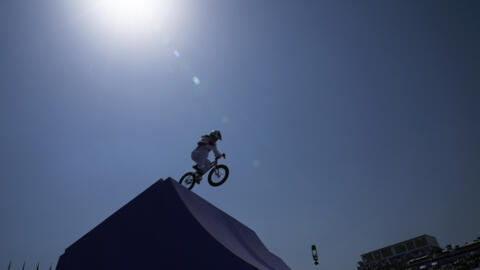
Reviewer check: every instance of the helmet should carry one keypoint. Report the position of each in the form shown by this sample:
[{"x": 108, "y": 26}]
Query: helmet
[{"x": 216, "y": 134}]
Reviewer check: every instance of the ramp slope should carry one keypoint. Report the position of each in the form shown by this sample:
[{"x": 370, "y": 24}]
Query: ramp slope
[{"x": 169, "y": 227}]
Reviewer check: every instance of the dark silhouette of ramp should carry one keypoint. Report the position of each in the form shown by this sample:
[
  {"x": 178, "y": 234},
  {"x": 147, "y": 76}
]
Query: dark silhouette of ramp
[{"x": 169, "y": 227}]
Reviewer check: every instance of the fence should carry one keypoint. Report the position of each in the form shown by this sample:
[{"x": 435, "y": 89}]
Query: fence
[{"x": 23, "y": 266}]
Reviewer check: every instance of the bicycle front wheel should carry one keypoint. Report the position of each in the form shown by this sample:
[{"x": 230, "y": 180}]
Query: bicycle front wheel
[
  {"x": 188, "y": 180},
  {"x": 218, "y": 175}
]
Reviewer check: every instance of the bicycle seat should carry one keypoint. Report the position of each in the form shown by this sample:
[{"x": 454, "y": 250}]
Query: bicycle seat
[{"x": 195, "y": 167}]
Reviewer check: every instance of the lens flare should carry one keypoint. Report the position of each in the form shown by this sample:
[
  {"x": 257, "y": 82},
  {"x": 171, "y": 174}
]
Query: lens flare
[
  {"x": 196, "y": 80},
  {"x": 225, "y": 119}
]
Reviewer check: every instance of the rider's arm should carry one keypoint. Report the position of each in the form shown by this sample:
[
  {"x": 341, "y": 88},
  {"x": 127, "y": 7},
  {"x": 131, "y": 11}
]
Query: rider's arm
[{"x": 216, "y": 152}]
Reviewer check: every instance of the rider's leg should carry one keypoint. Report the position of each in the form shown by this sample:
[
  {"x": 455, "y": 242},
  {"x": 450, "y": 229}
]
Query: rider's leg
[
  {"x": 203, "y": 165},
  {"x": 201, "y": 158}
]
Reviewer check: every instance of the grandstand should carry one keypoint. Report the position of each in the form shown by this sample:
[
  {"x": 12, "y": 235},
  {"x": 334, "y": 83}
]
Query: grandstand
[{"x": 422, "y": 253}]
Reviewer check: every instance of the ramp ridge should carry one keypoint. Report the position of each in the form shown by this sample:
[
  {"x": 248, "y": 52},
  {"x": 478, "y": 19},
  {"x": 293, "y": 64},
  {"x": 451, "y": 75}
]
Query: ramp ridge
[{"x": 245, "y": 243}]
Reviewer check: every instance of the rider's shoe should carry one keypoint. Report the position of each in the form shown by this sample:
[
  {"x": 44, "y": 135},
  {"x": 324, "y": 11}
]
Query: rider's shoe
[{"x": 198, "y": 177}]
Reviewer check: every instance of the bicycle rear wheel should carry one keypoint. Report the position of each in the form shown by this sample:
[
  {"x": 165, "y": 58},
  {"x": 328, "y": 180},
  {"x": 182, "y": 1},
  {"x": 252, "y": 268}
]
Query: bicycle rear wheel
[
  {"x": 218, "y": 175},
  {"x": 188, "y": 180}
]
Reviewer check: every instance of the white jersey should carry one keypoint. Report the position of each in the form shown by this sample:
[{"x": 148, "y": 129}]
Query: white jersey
[{"x": 205, "y": 145}]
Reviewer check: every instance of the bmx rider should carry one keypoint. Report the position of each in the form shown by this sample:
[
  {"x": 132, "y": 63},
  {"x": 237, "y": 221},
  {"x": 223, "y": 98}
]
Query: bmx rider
[{"x": 206, "y": 144}]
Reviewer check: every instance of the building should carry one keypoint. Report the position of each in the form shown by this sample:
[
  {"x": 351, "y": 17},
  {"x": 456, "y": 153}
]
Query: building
[
  {"x": 422, "y": 253},
  {"x": 460, "y": 257},
  {"x": 399, "y": 252}
]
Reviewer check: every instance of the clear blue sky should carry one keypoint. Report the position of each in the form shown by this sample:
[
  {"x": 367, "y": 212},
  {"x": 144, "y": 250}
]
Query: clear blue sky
[{"x": 347, "y": 124}]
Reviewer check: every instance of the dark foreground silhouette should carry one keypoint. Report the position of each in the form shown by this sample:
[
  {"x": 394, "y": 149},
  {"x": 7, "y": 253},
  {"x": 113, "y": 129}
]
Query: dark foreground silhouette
[{"x": 169, "y": 227}]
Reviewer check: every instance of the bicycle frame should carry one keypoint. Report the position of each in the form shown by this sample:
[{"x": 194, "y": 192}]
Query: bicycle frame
[
  {"x": 212, "y": 165},
  {"x": 215, "y": 176}
]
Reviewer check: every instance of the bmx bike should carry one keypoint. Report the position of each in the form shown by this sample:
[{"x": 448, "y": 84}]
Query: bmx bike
[{"x": 217, "y": 176}]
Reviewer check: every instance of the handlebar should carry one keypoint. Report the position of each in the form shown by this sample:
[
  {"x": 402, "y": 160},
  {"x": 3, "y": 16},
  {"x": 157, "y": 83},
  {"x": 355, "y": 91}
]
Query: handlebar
[{"x": 217, "y": 158}]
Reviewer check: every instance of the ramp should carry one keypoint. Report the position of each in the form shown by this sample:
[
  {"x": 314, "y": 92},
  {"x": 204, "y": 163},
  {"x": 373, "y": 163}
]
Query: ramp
[{"x": 169, "y": 227}]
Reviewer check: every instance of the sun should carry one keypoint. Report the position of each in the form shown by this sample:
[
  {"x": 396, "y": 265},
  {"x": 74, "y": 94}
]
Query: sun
[{"x": 132, "y": 17}]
